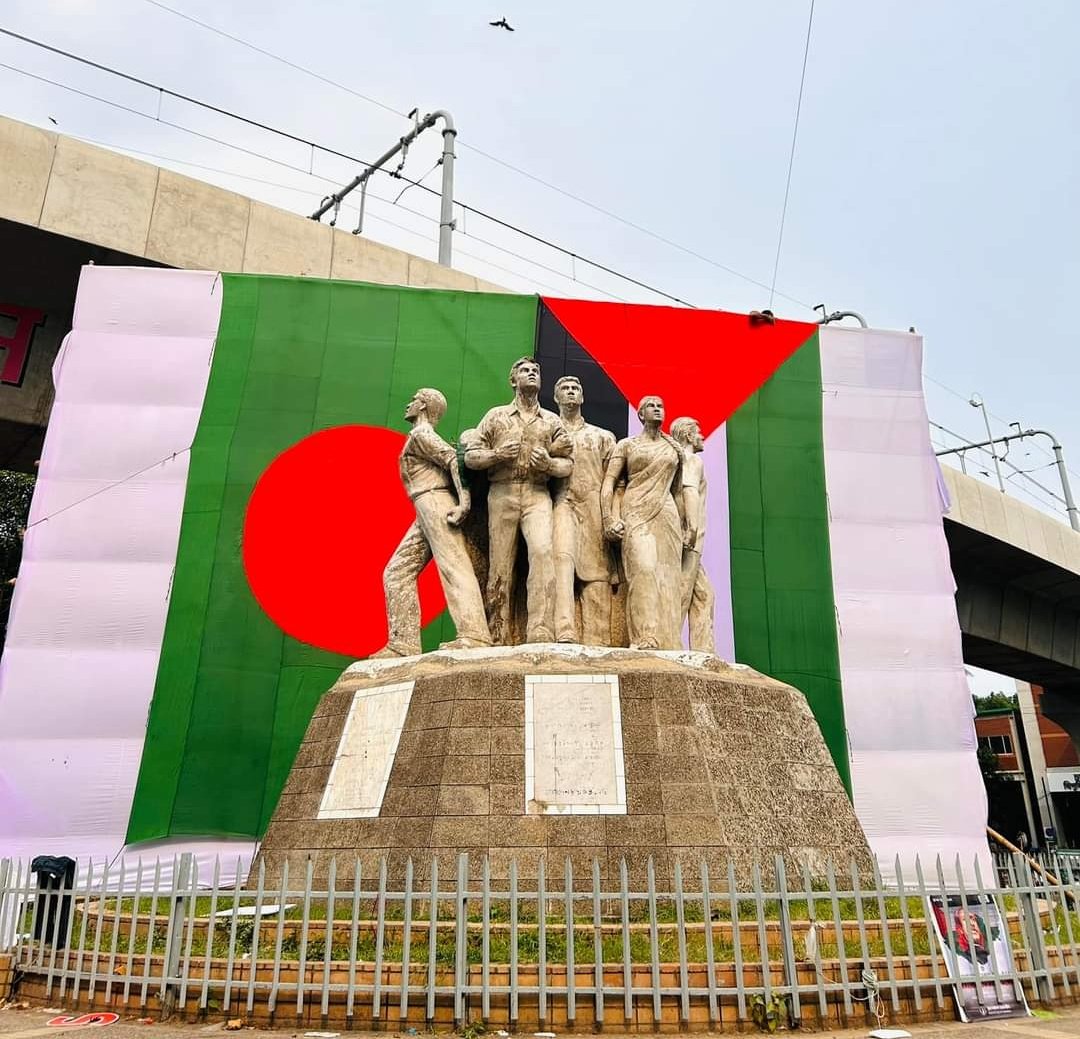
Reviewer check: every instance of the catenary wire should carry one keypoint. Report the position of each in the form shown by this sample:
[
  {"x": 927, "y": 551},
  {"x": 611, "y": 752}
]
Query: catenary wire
[
  {"x": 373, "y": 196},
  {"x": 630, "y": 279},
  {"x": 487, "y": 155},
  {"x": 1017, "y": 471},
  {"x": 1037, "y": 445},
  {"x": 791, "y": 157},
  {"x": 465, "y": 143},
  {"x": 277, "y": 57}
]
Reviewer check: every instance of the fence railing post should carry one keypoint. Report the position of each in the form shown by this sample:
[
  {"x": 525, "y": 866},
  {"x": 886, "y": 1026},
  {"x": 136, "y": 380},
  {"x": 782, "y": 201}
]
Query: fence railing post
[
  {"x": 1031, "y": 921},
  {"x": 461, "y": 928},
  {"x": 178, "y": 914},
  {"x": 791, "y": 969},
  {"x": 5, "y": 897}
]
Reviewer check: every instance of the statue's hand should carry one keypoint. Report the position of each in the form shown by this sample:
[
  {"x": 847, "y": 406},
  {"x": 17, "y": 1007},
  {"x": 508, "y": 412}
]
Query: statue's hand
[
  {"x": 689, "y": 537},
  {"x": 508, "y": 451},
  {"x": 540, "y": 459},
  {"x": 456, "y": 516},
  {"x": 614, "y": 531}
]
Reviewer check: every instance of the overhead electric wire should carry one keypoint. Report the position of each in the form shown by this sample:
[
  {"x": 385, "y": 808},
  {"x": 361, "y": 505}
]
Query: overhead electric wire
[
  {"x": 1037, "y": 445},
  {"x": 464, "y": 143},
  {"x": 574, "y": 256},
  {"x": 1057, "y": 500},
  {"x": 372, "y": 196},
  {"x": 630, "y": 279},
  {"x": 277, "y": 57},
  {"x": 791, "y": 157}
]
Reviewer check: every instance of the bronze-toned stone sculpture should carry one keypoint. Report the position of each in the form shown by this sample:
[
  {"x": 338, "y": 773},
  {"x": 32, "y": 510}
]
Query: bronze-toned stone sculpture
[
  {"x": 522, "y": 446},
  {"x": 582, "y": 554},
  {"x": 650, "y": 529},
  {"x": 429, "y": 471},
  {"x": 698, "y": 598}
]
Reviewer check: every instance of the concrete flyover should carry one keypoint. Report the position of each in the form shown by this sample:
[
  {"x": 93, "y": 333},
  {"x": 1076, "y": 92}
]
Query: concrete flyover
[
  {"x": 1017, "y": 576},
  {"x": 65, "y": 203}
]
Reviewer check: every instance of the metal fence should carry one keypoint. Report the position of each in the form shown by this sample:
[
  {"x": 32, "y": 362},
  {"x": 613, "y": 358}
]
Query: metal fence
[{"x": 560, "y": 947}]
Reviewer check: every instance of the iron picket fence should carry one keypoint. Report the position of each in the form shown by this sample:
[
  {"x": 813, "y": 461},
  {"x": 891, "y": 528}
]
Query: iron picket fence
[{"x": 438, "y": 947}]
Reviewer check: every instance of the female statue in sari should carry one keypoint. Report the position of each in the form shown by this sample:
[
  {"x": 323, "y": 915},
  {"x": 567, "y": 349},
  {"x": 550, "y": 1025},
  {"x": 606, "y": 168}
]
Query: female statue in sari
[{"x": 650, "y": 529}]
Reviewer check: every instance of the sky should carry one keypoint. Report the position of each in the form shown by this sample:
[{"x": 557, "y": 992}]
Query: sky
[{"x": 933, "y": 184}]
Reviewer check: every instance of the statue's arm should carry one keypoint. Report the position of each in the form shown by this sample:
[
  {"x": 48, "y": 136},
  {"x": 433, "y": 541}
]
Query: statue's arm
[
  {"x": 457, "y": 516},
  {"x": 686, "y": 488},
  {"x": 479, "y": 454},
  {"x": 613, "y": 526},
  {"x": 691, "y": 506},
  {"x": 560, "y": 456},
  {"x": 560, "y": 467}
]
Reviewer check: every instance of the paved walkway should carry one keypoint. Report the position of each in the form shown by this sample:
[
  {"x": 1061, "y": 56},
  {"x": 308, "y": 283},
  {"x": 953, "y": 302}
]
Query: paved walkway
[{"x": 31, "y": 1023}]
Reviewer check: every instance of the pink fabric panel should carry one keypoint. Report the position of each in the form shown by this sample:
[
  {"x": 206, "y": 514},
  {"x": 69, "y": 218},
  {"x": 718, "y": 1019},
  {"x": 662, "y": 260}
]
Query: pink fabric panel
[
  {"x": 92, "y": 594},
  {"x": 916, "y": 782}
]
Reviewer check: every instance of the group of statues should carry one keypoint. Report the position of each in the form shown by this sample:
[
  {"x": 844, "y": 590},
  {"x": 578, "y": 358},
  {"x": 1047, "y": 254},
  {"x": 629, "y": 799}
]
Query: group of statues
[{"x": 594, "y": 515}]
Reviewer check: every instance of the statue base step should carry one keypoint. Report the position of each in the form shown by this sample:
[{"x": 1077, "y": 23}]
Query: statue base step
[{"x": 561, "y": 752}]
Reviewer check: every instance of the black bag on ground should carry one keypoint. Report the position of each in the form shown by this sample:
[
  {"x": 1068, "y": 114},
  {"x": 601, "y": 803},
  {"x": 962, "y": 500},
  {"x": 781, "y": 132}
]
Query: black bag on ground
[{"x": 55, "y": 882}]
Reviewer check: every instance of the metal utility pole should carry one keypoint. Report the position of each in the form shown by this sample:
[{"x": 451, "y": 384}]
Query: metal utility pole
[
  {"x": 446, "y": 209},
  {"x": 839, "y": 315},
  {"x": 1059, "y": 459},
  {"x": 1063, "y": 472},
  {"x": 977, "y": 402}
]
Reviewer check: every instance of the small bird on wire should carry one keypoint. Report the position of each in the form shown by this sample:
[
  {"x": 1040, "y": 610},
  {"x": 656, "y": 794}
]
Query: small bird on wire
[{"x": 502, "y": 23}]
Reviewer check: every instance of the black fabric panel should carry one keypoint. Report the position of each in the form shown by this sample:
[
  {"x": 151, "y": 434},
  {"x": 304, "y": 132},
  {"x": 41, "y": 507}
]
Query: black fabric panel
[{"x": 560, "y": 354}]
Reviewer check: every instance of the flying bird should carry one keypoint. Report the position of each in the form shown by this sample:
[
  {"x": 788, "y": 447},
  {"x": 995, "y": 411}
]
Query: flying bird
[
  {"x": 502, "y": 23},
  {"x": 53, "y": 121}
]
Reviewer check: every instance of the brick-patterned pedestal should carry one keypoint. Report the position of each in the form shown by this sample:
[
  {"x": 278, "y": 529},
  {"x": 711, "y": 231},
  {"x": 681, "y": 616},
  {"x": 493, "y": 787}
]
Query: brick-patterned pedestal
[{"x": 719, "y": 763}]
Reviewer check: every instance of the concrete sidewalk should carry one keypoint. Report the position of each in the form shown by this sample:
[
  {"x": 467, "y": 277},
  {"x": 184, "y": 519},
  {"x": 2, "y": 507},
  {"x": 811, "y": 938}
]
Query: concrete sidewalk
[{"x": 33, "y": 1022}]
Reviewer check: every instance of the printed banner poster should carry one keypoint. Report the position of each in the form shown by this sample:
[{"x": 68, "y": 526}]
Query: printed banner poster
[
  {"x": 974, "y": 942},
  {"x": 219, "y": 494}
]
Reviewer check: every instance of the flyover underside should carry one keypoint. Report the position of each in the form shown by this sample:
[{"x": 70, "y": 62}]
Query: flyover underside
[{"x": 1019, "y": 616}]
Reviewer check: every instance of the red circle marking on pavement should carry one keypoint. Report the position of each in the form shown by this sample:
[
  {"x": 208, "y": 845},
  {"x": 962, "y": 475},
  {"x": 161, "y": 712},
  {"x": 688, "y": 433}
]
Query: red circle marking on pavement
[{"x": 321, "y": 525}]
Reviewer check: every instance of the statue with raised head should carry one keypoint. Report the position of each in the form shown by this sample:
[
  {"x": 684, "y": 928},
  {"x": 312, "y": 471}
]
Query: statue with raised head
[
  {"x": 522, "y": 446},
  {"x": 583, "y": 560}
]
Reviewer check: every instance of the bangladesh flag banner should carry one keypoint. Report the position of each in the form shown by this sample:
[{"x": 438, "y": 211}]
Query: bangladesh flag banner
[{"x": 219, "y": 495}]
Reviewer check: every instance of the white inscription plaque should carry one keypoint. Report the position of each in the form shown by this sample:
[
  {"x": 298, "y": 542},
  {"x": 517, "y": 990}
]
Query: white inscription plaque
[
  {"x": 366, "y": 752},
  {"x": 573, "y": 746}
]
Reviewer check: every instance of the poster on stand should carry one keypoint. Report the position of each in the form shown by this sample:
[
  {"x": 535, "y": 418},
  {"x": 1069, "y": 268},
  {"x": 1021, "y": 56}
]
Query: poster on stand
[{"x": 974, "y": 943}]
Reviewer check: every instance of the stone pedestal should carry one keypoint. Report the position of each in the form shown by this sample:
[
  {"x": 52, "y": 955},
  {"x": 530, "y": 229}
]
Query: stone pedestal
[{"x": 561, "y": 751}]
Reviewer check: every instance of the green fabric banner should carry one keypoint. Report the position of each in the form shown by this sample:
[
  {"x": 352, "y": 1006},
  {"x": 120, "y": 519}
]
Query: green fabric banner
[
  {"x": 781, "y": 568},
  {"x": 293, "y": 356}
]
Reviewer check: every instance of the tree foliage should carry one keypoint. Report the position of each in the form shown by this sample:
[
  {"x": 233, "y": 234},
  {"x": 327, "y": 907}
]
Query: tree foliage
[
  {"x": 16, "y": 490},
  {"x": 996, "y": 701}
]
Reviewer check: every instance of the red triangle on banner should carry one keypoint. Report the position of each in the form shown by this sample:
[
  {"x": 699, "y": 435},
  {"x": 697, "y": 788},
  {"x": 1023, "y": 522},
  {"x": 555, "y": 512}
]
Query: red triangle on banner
[{"x": 704, "y": 363}]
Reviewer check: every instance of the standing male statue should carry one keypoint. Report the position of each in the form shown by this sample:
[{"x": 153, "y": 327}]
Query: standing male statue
[
  {"x": 581, "y": 551},
  {"x": 522, "y": 446},
  {"x": 698, "y": 598},
  {"x": 429, "y": 471}
]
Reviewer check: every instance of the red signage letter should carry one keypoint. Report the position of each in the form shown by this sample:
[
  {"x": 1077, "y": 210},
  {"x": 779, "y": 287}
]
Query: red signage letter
[{"x": 18, "y": 345}]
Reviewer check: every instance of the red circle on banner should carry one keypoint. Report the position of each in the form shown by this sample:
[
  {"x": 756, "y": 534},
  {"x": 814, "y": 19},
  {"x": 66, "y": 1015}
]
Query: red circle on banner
[{"x": 321, "y": 525}]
